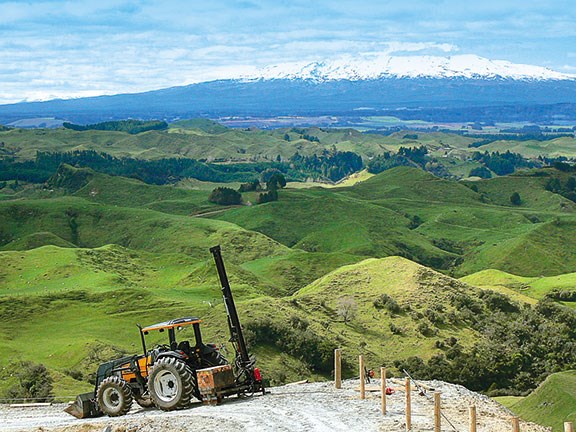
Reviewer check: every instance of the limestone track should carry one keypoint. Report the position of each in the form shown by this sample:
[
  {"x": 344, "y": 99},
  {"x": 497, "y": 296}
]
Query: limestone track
[{"x": 290, "y": 408}]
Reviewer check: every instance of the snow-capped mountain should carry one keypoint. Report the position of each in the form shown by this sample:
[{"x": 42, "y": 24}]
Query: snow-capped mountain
[
  {"x": 460, "y": 88},
  {"x": 378, "y": 67}
]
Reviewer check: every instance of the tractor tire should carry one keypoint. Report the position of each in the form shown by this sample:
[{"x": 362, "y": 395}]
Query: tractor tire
[
  {"x": 171, "y": 384},
  {"x": 114, "y": 396},
  {"x": 144, "y": 401}
]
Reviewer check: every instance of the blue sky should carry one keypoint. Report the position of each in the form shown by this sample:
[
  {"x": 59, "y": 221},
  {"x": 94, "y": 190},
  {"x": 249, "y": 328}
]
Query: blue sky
[{"x": 58, "y": 48}]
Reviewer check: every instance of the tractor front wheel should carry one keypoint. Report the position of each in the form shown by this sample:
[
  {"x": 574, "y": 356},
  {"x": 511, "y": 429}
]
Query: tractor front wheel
[
  {"x": 114, "y": 396},
  {"x": 171, "y": 384}
]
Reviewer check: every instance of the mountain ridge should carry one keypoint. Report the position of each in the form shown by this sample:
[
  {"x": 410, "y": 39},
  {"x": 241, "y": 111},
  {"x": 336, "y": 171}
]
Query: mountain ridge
[{"x": 356, "y": 69}]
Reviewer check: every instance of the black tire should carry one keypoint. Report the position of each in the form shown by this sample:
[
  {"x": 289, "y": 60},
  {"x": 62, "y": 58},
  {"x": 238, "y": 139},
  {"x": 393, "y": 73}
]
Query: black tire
[
  {"x": 145, "y": 401},
  {"x": 114, "y": 396},
  {"x": 171, "y": 384}
]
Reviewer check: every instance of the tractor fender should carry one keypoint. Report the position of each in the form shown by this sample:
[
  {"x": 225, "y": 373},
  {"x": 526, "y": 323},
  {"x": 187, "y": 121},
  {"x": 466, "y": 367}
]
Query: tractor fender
[{"x": 173, "y": 354}]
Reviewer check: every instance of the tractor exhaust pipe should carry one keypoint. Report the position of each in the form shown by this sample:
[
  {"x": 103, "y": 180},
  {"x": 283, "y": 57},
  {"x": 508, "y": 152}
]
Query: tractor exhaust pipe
[{"x": 85, "y": 406}]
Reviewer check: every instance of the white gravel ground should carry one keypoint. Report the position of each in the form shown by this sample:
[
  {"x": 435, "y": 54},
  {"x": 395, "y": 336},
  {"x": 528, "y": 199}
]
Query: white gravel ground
[{"x": 298, "y": 407}]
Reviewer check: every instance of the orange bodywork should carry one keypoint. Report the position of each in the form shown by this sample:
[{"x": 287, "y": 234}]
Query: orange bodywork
[
  {"x": 142, "y": 365},
  {"x": 213, "y": 379}
]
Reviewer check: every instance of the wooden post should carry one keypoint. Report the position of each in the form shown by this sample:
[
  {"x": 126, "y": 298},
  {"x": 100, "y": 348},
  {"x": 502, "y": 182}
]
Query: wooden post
[
  {"x": 473, "y": 422},
  {"x": 383, "y": 388},
  {"x": 568, "y": 427},
  {"x": 437, "y": 413},
  {"x": 362, "y": 386},
  {"x": 408, "y": 406},
  {"x": 515, "y": 424},
  {"x": 338, "y": 368}
]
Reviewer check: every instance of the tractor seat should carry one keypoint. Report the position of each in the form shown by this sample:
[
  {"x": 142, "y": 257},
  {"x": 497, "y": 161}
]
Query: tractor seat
[{"x": 184, "y": 346}]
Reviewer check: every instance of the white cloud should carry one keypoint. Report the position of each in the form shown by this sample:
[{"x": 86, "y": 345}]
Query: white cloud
[{"x": 71, "y": 48}]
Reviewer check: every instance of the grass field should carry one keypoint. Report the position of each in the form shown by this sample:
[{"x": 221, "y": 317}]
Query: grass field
[{"x": 551, "y": 404}]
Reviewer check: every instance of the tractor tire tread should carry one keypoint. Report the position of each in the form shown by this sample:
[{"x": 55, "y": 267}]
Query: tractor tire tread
[
  {"x": 126, "y": 396},
  {"x": 187, "y": 379}
]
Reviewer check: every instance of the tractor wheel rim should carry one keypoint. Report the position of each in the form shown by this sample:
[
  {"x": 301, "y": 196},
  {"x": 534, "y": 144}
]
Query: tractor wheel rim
[
  {"x": 111, "y": 397},
  {"x": 166, "y": 385}
]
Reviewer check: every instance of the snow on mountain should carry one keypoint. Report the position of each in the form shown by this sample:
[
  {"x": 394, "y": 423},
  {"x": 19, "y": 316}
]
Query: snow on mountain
[{"x": 459, "y": 66}]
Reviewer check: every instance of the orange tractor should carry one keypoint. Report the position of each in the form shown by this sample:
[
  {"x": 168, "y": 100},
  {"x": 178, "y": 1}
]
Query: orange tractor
[{"x": 169, "y": 376}]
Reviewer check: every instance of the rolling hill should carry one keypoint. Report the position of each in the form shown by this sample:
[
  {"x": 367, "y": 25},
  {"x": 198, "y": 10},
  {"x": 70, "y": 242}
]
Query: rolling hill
[
  {"x": 92, "y": 252},
  {"x": 552, "y": 403}
]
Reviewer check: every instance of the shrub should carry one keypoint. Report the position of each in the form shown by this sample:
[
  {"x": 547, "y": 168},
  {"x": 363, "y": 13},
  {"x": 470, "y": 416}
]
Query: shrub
[
  {"x": 32, "y": 382},
  {"x": 295, "y": 338},
  {"x": 562, "y": 295},
  {"x": 424, "y": 329},
  {"x": 496, "y": 301},
  {"x": 387, "y": 302},
  {"x": 515, "y": 199}
]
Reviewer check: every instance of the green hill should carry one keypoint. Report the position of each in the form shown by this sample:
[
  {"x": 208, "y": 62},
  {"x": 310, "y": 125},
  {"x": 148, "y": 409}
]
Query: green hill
[
  {"x": 125, "y": 192},
  {"x": 552, "y": 403},
  {"x": 531, "y": 187},
  {"x": 319, "y": 220},
  {"x": 309, "y": 324},
  {"x": 411, "y": 184},
  {"x": 205, "y": 139},
  {"x": 535, "y": 288},
  {"x": 92, "y": 252},
  {"x": 405, "y": 211}
]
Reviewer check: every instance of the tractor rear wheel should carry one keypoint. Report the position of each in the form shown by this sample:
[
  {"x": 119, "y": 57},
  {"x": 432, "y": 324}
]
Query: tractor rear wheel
[
  {"x": 114, "y": 396},
  {"x": 171, "y": 384}
]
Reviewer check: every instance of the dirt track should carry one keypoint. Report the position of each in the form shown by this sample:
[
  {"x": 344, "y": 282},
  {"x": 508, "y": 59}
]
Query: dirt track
[{"x": 305, "y": 407}]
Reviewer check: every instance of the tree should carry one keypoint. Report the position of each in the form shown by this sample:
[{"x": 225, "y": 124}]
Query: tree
[
  {"x": 271, "y": 195},
  {"x": 481, "y": 172},
  {"x": 346, "y": 308},
  {"x": 267, "y": 174},
  {"x": 31, "y": 381},
  {"x": 515, "y": 199},
  {"x": 225, "y": 196},
  {"x": 277, "y": 181},
  {"x": 250, "y": 187}
]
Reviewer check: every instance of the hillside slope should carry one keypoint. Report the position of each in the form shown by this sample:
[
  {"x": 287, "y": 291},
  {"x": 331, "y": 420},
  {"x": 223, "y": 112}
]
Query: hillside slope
[
  {"x": 445, "y": 225},
  {"x": 552, "y": 403}
]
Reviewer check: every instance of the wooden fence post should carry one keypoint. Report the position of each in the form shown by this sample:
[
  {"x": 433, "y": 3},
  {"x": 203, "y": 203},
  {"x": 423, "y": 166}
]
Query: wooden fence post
[
  {"x": 473, "y": 422},
  {"x": 362, "y": 385},
  {"x": 437, "y": 413},
  {"x": 383, "y": 388},
  {"x": 338, "y": 368},
  {"x": 408, "y": 406},
  {"x": 568, "y": 427},
  {"x": 515, "y": 424}
]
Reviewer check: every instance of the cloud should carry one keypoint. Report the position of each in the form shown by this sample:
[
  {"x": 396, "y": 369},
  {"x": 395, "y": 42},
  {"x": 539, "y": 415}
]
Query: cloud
[{"x": 68, "y": 47}]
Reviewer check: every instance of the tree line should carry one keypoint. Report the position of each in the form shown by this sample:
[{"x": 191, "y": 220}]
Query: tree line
[
  {"x": 332, "y": 164},
  {"x": 130, "y": 126}
]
